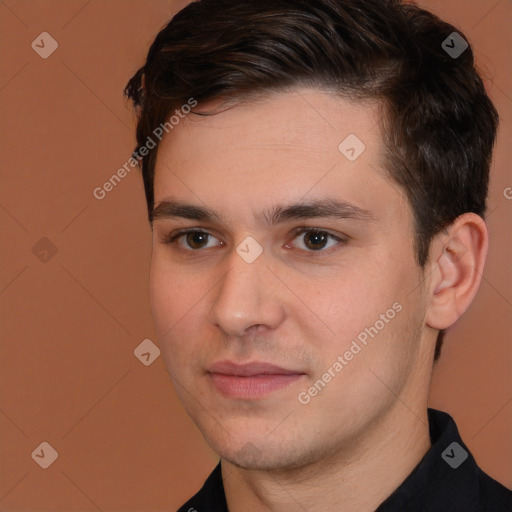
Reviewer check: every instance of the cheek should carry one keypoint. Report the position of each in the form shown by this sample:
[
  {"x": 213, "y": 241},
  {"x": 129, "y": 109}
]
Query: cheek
[
  {"x": 176, "y": 302},
  {"x": 162, "y": 296},
  {"x": 346, "y": 302},
  {"x": 369, "y": 303}
]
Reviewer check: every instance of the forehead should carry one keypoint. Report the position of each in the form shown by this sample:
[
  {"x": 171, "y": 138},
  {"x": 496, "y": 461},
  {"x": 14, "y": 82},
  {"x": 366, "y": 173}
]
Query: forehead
[
  {"x": 280, "y": 148},
  {"x": 307, "y": 121}
]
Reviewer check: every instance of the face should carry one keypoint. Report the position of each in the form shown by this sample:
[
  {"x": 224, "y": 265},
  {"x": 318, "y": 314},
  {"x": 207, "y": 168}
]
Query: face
[{"x": 287, "y": 301}]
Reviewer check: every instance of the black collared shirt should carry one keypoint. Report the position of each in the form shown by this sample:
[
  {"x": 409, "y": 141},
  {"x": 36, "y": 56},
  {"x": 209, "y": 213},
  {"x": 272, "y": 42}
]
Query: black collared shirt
[{"x": 447, "y": 479}]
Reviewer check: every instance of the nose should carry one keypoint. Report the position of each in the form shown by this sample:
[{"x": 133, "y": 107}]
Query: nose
[{"x": 247, "y": 296}]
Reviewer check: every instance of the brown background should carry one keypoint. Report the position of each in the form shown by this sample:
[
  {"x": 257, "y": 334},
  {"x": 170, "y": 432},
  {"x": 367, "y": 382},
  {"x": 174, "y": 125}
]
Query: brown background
[{"x": 70, "y": 325}]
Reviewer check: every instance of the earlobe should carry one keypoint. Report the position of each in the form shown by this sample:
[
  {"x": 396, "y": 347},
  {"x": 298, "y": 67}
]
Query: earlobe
[{"x": 457, "y": 270}]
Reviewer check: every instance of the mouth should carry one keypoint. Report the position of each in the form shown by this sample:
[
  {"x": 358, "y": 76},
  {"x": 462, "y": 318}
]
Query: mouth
[{"x": 251, "y": 380}]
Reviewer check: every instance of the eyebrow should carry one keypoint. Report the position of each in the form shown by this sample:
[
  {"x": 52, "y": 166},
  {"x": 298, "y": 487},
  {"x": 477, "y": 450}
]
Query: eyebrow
[{"x": 321, "y": 208}]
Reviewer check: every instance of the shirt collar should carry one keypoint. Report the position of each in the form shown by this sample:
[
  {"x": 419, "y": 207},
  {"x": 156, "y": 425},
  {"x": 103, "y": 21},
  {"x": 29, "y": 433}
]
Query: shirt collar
[{"x": 446, "y": 478}]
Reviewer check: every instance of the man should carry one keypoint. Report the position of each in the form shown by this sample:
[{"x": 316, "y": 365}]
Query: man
[{"x": 316, "y": 177}]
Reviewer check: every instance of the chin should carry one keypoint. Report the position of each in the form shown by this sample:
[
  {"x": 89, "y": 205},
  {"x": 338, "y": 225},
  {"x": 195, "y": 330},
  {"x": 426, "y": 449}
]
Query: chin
[
  {"x": 261, "y": 457},
  {"x": 257, "y": 463}
]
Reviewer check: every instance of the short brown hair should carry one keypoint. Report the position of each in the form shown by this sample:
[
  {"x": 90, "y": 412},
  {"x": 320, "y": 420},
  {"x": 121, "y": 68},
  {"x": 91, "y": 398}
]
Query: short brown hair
[{"x": 439, "y": 126}]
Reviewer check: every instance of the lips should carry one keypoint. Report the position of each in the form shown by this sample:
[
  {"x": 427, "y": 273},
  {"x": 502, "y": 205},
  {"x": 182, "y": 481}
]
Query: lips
[
  {"x": 249, "y": 369},
  {"x": 250, "y": 380}
]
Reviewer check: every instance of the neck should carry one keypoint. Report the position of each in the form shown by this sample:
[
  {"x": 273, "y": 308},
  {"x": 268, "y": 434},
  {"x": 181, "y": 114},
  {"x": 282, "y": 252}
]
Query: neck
[{"x": 359, "y": 477}]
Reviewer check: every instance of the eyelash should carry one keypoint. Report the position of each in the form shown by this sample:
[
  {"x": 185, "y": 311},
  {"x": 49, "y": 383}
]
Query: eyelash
[{"x": 173, "y": 238}]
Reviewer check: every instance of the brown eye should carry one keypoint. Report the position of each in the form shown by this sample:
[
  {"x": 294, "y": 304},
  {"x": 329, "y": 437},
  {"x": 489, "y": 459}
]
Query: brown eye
[
  {"x": 196, "y": 239},
  {"x": 190, "y": 240},
  {"x": 316, "y": 240}
]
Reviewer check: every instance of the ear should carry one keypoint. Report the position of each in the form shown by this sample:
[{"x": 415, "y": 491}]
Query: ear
[{"x": 457, "y": 262}]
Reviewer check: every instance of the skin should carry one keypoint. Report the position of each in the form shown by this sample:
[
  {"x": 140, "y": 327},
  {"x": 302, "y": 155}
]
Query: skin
[{"x": 360, "y": 437}]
